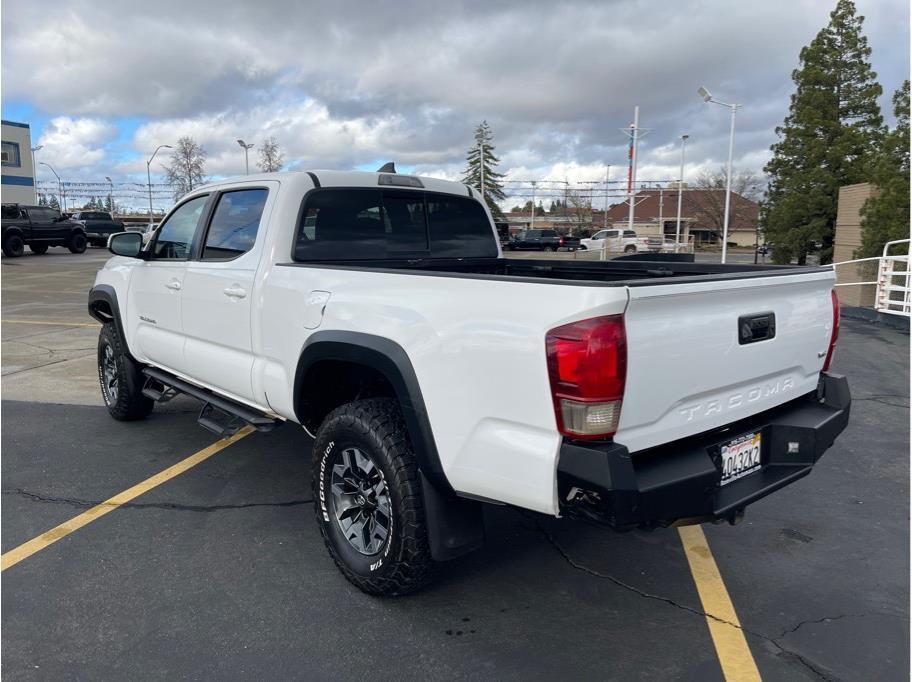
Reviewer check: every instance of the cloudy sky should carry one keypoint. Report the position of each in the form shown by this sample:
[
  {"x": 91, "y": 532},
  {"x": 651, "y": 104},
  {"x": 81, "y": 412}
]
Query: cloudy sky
[{"x": 354, "y": 84}]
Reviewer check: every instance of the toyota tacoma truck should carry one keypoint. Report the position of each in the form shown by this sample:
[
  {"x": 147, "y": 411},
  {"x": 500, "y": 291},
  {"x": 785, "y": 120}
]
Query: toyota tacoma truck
[{"x": 376, "y": 311}]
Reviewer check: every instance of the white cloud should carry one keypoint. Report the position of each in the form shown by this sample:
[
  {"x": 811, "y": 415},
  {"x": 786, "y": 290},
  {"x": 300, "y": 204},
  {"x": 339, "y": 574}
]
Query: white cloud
[{"x": 75, "y": 143}]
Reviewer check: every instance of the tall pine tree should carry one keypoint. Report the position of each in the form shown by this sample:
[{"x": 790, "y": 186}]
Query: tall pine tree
[
  {"x": 827, "y": 140},
  {"x": 493, "y": 188},
  {"x": 885, "y": 217}
]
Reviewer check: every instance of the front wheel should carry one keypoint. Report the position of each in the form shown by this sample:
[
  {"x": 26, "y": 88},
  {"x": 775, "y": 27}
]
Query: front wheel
[
  {"x": 121, "y": 378},
  {"x": 13, "y": 246},
  {"x": 630, "y": 249},
  {"x": 77, "y": 243},
  {"x": 368, "y": 500}
]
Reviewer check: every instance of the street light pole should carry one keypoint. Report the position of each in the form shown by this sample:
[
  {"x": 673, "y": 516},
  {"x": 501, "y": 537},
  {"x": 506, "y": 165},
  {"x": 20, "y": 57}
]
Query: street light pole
[
  {"x": 59, "y": 185},
  {"x": 707, "y": 97},
  {"x": 149, "y": 176},
  {"x": 680, "y": 195},
  {"x": 607, "y": 176},
  {"x": 247, "y": 148}
]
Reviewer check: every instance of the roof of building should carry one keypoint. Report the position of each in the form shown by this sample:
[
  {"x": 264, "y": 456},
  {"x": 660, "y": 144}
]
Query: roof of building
[{"x": 697, "y": 205}]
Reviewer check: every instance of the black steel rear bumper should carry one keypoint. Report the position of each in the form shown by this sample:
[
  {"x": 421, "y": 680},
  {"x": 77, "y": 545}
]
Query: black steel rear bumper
[{"x": 678, "y": 483}]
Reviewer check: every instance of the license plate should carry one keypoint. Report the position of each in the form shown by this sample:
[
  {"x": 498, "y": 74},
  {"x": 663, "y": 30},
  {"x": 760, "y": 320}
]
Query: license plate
[{"x": 740, "y": 457}]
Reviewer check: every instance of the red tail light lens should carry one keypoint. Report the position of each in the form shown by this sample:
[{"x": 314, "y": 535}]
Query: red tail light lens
[
  {"x": 835, "y": 335},
  {"x": 587, "y": 365}
]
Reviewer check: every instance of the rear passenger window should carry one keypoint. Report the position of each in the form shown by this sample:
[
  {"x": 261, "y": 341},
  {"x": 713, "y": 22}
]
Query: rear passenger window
[{"x": 235, "y": 223}]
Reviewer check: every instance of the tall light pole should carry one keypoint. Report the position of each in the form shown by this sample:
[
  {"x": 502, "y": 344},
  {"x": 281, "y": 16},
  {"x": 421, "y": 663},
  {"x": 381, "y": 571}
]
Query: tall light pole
[
  {"x": 110, "y": 194},
  {"x": 680, "y": 195},
  {"x": 247, "y": 148},
  {"x": 707, "y": 97},
  {"x": 59, "y": 185},
  {"x": 34, "y": 166},
  {"x": 149, "y": 176},
  {"x": 607, "y": 176}
]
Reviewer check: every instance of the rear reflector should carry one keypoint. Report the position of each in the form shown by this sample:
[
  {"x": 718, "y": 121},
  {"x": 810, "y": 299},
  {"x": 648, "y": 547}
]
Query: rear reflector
[
  {"x": 587, "y": 366},
  {"x": 835, "y": 335}
]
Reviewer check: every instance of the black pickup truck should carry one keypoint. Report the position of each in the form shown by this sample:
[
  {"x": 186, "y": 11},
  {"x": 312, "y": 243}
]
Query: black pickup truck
[
  {"x": 542, "y": 240},
  {"x": 99, "y": 225},
  {"x": 39, "y": 227}
]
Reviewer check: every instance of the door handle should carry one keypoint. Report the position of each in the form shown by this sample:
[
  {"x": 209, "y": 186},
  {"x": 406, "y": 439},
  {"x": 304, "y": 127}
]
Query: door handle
[
  {"x": 174, "y": 285},
  {"x": 235, "y": 292}
]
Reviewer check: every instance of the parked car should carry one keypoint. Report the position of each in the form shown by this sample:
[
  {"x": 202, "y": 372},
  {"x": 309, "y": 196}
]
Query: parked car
[
  {"x": 376, "y": 311},
  {"x": 542, "y": 240},
  {"x": 39, "y": 228},
  {"x": 621, "y": 241},
  {"x": 99, "y": 225}
]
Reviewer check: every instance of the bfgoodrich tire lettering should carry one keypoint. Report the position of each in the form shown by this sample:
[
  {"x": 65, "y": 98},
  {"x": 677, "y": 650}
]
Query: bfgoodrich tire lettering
[
  {"x": 401, "y": 562},
  {"x": 120, "y": 378}
]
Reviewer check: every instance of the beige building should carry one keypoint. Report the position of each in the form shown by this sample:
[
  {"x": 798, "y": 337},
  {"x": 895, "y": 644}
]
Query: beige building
[
  {"x": 847, "y": 240},
  {"x": 18, "y": 173}
]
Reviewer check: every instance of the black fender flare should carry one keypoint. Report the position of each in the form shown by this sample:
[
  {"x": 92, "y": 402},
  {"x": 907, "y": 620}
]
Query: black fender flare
[
  {"x": 391, "y": 360},
  {"x": 13, "y": 229},
  {"x": 455, "y": 524},
  {"x": 105, "y": 293}
]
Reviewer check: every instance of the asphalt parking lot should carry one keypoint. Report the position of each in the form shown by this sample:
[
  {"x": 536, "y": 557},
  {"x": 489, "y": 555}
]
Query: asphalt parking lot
[{"x": 220, "y": 572}]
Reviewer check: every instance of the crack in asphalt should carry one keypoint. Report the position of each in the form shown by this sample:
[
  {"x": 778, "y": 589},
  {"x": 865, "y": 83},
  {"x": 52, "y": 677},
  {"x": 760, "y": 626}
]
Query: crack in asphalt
[
  {"x": 786, "y": 653},
  {"x": 882, "y": 399},
  {"x": 174, "y": 506}
]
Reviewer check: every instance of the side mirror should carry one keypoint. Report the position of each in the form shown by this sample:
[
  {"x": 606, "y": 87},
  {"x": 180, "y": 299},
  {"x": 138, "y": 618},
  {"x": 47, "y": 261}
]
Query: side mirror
[{"x": 127, "y": 244}]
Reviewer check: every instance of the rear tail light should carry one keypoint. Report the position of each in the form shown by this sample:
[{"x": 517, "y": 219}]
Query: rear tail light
[
  {"x": 561, "y": 241},
  {"x": 835, "y": 334},
  {"x": 587, "y": 365}
]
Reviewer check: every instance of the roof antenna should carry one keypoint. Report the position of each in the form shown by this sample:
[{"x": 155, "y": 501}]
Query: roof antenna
[{"x": 388, "y": 167}]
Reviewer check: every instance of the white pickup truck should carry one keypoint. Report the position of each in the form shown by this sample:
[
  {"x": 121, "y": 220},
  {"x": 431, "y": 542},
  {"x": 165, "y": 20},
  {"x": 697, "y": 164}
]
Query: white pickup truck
[{"x": 376, "y": 311}]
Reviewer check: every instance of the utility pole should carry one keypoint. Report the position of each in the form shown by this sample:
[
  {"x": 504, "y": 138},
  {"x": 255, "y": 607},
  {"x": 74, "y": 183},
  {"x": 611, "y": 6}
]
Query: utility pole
[
  {"x": 607, "y": 176},
  {"x": 680, "y": 194},
  {"x": 110, "y": 194},
  {"x": 634, "y": 133},
  {"x": 532, "y": 223},
  {"x": 661, "y": 206}
]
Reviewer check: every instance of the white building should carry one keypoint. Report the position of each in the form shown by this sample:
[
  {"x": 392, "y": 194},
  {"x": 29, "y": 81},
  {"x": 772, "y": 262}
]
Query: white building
[{"x": 18, "y": 172}]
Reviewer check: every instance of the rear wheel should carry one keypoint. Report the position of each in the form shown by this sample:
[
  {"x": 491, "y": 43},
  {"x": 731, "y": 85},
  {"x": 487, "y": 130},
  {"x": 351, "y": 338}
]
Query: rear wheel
[
  {"x": 77, "y": 243},
  {"x": 630, "y": 248},
  {"x": 121, "y": 378},
  {"x": 13, "y": 246},
  {"x": 549, "y": 249},
  {"x": 368, "y": 499},
  {"x": 38, "y": 249}
]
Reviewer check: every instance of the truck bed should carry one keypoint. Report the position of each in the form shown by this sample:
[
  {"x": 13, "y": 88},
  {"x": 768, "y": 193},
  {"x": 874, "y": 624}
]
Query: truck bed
[{"x": 618, "y": 272}]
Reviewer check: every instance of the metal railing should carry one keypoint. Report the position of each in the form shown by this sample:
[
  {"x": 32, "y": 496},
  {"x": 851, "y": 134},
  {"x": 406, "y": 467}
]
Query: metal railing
[{"x": 892, "y": 282}]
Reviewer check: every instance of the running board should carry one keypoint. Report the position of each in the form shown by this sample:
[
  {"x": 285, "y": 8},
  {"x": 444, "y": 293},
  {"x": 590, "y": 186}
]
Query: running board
[{"x": 220, "y": 415}]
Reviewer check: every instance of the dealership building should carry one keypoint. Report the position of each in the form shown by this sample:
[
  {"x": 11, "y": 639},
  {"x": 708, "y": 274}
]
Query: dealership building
[{"x": 18, "y": 170}]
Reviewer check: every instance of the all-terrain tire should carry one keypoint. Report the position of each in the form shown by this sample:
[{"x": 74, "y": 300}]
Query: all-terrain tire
[
  {"x": 78, "y": 243},
  {"x": 121, "y": 378},
  {"x": 375, "y": 428},
  {"x": 13, "y": 246},
  {"x": 630, "y": 248},
  {"x": 38, "y": 249}
]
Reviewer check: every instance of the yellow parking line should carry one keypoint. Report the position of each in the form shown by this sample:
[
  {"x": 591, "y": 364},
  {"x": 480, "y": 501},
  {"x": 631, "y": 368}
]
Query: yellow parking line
[
  {"x": 23, "y": 551},
  {"x": 52, "y": 324},
  {"x": 725, "y": 629}
]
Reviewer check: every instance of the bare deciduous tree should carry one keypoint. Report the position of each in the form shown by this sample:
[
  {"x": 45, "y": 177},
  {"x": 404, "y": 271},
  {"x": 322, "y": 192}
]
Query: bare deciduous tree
[
  {"x": 271, "y": 156},
  {"x": 581, "y": 211},
  {"x": 186, "y": 169},
  {"x": 708, "y": 205}
]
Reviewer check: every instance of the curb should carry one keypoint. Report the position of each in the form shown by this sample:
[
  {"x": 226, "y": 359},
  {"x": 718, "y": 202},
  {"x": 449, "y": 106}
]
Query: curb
[{"x": 871, "y": 316}]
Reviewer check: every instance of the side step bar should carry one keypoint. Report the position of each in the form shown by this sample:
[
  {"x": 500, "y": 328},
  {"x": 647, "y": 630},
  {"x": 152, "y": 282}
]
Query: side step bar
[{"x": 220, "y": 415}]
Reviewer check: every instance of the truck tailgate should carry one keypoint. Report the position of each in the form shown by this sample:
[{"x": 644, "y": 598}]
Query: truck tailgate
[{"x": 693, "y": 367}]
